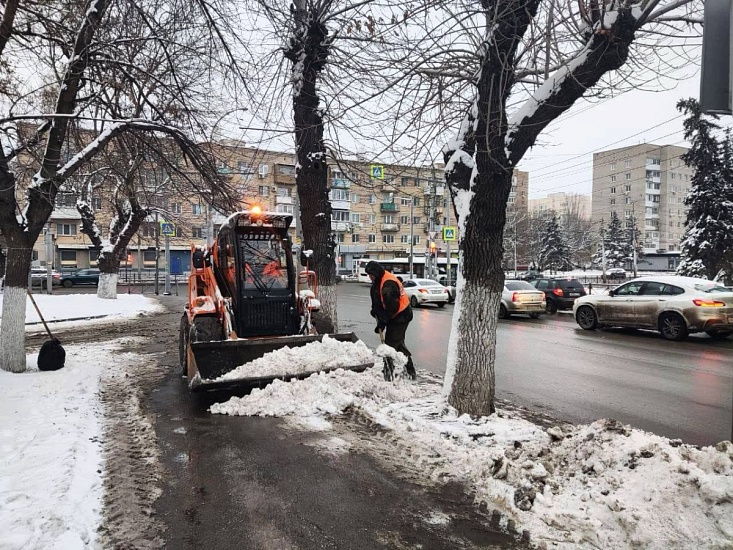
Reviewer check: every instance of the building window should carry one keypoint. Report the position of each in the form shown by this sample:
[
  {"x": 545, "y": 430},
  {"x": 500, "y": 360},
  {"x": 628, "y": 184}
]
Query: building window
[
  {"x": 355, "y": 238},
  {"x": 355, "y": 217},
  {"x": 405, "y": 182},
  {"x": 355, "y": 198},
  {"x": 613, "y": 166},
  {"x": 416, "y": 220},
  {"x": 339, "y": 237},
  {"x": 197, "y": 209},
  {"x": 97, "y": 203},
  {"x": 197, "y": 232},
  {"x": 65, "y": 229},
  {"x": 245, "y": 168},
  {"x": 627, "y": 163},
  {"x": 627, "y": 188},
  {"x": 404, "y": 238},
  {"x": 404, "y": 220},
  {"x": 671, "y": 175},
  {"x": 68, "y": 258},
  {"x": 372, "y": 199},
  {"x": 372, "y": 238},
  {"x": 613, "y": 200},
  {"x": 613, "y": 178},
  {"x": 176, "y": 207},
  {"x": 284, "y": 191},
  {"x": 628, "y": 176},
  {"x": 387, "y": 239},
  {"x": 179, "y": 231},
  {"x": 389, "y": 218},
  {"x": 372, "y": 218},
  {"x": 416, "y": 201},
  {"x": 340, "y": 215},
  {"x": 406, "y": 202},
  {"x": 284, "y": 208},
  {"x": 627, "y": 200},
  {"x": 416, "y": 239},
  {"x": 613, "y": 190},
  {"x": 339, "y": 195}
]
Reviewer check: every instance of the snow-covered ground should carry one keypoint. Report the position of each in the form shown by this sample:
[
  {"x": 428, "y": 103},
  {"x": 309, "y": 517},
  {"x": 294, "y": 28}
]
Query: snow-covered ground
[
  {"x": 601, "y": 485},
  {"x": 51, "y": 466}
]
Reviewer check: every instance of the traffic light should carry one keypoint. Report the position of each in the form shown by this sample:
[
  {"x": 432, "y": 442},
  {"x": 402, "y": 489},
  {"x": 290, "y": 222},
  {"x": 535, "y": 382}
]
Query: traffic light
[{"x": 433, "y": 248}]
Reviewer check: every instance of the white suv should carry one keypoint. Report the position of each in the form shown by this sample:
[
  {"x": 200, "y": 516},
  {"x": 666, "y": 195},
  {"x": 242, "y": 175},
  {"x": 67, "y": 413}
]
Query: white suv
[{"x": 39, "y": 274}]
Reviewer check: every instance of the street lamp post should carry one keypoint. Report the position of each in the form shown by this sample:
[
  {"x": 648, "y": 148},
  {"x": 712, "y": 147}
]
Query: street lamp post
[
  {"x": 412, "y": 236},
  {"x": 633, "y": 233}
]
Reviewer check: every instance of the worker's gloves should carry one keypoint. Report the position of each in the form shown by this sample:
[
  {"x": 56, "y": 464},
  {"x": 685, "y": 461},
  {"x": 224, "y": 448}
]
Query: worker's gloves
[
  {"x": 380, "y": 327},
  {"x": 373, "y": 314}
]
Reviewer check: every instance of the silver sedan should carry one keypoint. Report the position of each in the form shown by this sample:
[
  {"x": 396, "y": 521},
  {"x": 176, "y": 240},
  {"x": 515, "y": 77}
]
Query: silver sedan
[
  {"x": 521, "y": 297},
  {"x": 674, "y": 306}
]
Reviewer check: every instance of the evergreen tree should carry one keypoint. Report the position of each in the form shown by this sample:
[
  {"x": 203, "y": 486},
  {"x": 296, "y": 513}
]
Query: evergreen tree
[
  {"x": 635, "y": 239},
  {"x": 616, "y": 245},
  {"x": 708, "y": 238},
  {"x": 554, "y": 252}
]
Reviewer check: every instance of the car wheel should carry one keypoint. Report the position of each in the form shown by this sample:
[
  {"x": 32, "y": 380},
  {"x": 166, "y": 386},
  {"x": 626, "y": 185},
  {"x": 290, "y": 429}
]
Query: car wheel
[
  {"x": 672, "y": 327},
  {"x": 534, "y": 315},
  {"x": 551, "y": 307},
  {"x": 441, "y": 304},
  {"x": 586, "y": 318},
  {"x": 183, "y": 332},
  {"x": 68, "y": 284},
  {"x": 503, "y": 313},
  {"x": 413, "y": 301},
  {"x": 716, "y": 335}
]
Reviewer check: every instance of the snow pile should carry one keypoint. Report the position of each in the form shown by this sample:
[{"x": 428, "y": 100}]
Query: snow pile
[
  {"x": 312, "y": 357},
  {"x": 602, "y": 485}
]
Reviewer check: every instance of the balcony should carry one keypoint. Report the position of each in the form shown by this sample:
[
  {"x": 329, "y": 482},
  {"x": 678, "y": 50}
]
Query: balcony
[
  {"x": 340, "y": 183},
  {"x": 439, "y": 190},
  {"x": 388, "y": 207},
  {"x": 340, "y": 226},
  {"x": 284, "y": 199},
  {"x": 341, "y": 205},
  {"x": 389, "y": 227}
]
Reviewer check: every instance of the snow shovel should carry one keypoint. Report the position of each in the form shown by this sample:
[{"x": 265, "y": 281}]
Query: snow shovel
[
  {"x": 388, "y": 369},
  {"x": 52, "y": 355}
]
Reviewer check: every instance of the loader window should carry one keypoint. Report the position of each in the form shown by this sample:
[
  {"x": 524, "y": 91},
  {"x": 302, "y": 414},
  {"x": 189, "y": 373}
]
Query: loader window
[{"x": 265, "y": 262}]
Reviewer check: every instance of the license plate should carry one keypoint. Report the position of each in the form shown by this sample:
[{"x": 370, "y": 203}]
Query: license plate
[
  {"x": 573, "y": 294},
  {"x": 730, "y": 319}
]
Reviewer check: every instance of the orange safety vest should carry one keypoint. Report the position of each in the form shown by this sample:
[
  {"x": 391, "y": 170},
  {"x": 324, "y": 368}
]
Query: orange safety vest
[{"x": 404, "y": 300}]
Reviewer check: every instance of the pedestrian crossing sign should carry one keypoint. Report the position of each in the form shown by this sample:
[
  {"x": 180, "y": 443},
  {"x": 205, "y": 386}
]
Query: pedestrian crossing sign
[
  {"x": 377, "y": 171},
  {"x": 449, "y": 233},
  {"x": 167, "y": 229}
]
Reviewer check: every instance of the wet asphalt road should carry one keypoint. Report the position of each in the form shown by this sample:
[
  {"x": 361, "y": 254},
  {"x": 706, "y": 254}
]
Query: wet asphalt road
[{"x": 675, "y": 389}]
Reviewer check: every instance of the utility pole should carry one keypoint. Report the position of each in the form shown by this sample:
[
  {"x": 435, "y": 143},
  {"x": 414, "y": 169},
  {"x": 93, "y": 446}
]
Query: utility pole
[
  {"x": 49, "y": 257},
  {"x": 157, "y": 249},
  {"x": 603, "y": 253},
  {"x": 167, "y": 291}
]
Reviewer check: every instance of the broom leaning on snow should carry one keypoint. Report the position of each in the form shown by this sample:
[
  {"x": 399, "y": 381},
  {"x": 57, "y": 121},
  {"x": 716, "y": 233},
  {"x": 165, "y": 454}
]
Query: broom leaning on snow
[{"x": 52, "y": 355}]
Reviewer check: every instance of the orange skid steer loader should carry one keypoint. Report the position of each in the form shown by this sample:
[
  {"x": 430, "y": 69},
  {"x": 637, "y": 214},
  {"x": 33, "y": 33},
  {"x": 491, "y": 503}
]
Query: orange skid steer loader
[{"x": 245, "y": 299}]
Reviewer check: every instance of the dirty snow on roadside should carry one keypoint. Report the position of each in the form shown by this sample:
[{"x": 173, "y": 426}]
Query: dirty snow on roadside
[{"x": 602, "y": 485}]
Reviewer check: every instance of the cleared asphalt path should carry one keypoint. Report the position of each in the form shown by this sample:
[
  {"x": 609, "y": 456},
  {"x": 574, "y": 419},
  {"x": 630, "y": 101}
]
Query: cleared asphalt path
[{"x": 675, "y": 389}]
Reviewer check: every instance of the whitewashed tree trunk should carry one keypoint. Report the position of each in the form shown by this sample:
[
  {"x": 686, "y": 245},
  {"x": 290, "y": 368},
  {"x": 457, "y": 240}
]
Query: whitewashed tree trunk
[
  {"x": 469, "y": 376},
  {"x": 12, "y": 335},
  {"x": 107, "y": 288}
]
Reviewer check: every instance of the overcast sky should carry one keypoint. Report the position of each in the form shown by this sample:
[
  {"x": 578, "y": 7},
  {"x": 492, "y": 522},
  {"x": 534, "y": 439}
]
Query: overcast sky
[{"x": 564, "y": 160}]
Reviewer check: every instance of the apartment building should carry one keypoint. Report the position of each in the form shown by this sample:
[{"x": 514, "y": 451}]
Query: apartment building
[
  {"x": 378, "y": 210},
  {"x": 648, "y": 182},
  {"x": 562, "y": 202}
]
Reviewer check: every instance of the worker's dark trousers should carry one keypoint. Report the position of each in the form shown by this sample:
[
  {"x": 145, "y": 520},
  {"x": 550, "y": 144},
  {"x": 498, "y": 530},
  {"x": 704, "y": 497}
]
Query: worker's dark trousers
[{"x": 395, "y": 336}]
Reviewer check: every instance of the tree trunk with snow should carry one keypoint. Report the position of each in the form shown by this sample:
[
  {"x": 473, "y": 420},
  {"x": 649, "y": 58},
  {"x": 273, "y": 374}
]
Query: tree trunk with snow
[
  {"x": 12, "y": 335},
  {"x": 109, "y": 269},
  {"x": 491, "y": 146},
  {"x": 308, "y": 51}
]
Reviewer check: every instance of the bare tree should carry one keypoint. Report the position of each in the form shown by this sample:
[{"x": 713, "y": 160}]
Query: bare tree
[
  {"x": 511, "y": 68},
  {"x": 77, "y": 50}
]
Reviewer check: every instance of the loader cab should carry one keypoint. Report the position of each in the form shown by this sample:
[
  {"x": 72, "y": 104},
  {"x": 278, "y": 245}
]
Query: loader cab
[{"x": 259, "y": 273}]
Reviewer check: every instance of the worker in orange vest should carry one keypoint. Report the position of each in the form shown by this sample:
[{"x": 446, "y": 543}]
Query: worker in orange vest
[{"x": 391, "y": 308}]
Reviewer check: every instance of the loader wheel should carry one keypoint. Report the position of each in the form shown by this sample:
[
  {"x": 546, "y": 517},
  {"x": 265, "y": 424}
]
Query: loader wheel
[
  {"x": 206, "y": 329},
  {"x": 182, "y": 344}
]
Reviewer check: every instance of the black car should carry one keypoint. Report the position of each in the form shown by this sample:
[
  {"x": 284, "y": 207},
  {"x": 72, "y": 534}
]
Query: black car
[
  {"x": 560, "y": 293},
  {"x": 81, "y": 277},
  {"x": 529, "y": 275}
]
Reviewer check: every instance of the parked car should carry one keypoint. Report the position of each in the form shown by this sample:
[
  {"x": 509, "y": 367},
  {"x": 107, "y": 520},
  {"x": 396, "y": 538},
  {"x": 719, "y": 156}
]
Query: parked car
[
  {"x": 425, "y": 291},
  {"x": 674, "y": 306},
  {"x": 560, "y": 293},
  {"x": 39, "y": 277},
  {"x": 82, "y": 277},
  {"x": 521, "y": 297},
  {"x": 616, "y": 273},
  {"x": 529, "y": 275},
  {"x": 443, "y": 280}
]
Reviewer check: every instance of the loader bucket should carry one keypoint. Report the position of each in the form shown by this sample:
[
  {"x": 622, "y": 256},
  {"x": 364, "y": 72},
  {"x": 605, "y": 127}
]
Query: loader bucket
[{"x": 207, "y": 361}]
